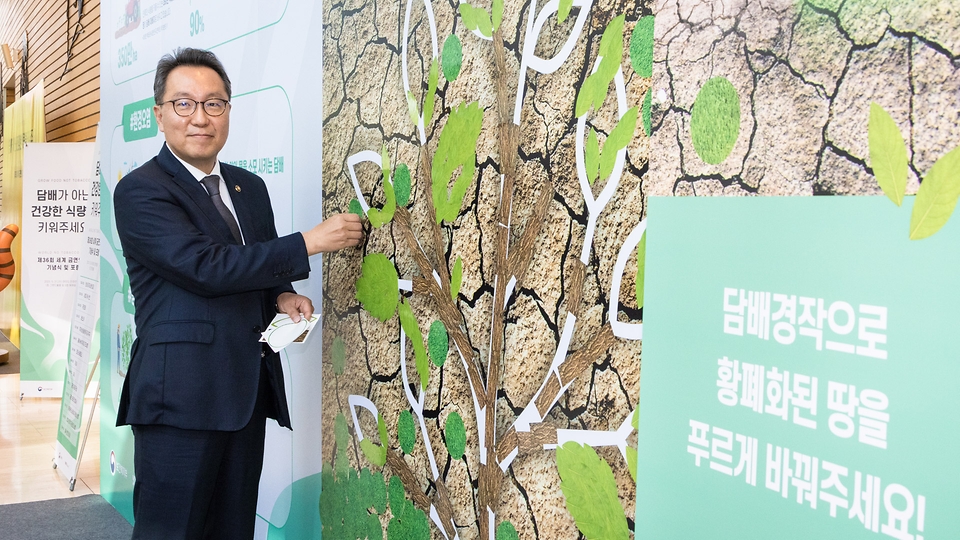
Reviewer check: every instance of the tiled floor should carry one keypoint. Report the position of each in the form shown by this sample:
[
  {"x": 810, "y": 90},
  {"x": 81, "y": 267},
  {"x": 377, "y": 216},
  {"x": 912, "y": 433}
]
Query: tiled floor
[{"x": 28, "y": 432}]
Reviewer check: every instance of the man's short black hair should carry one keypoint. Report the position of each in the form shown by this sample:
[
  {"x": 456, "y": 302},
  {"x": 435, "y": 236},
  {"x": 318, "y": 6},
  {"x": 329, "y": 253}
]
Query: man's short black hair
[{"x": 186, "y": 57}]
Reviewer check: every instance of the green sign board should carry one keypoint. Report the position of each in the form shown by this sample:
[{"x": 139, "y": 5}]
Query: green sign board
[
  {"x": 138, "y": 120},
  {"x": 799, "y": 371}
]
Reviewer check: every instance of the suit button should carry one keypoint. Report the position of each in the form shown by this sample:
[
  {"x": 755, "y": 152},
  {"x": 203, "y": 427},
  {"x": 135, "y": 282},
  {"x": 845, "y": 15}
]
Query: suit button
[
  {"x": 263, "y": 354},
  {"x": 257, "y": 329}
]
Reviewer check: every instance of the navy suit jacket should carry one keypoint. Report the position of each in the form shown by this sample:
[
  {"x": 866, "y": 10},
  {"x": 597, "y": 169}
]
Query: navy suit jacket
[{"x": 201, "y": 299}]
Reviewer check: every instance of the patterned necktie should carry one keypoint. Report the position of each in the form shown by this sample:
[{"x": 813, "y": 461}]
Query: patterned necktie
[{"x": 212, "y": 183}]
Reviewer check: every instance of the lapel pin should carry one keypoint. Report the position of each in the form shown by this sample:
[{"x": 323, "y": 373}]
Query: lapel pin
[{"x": 237, "y": 188}]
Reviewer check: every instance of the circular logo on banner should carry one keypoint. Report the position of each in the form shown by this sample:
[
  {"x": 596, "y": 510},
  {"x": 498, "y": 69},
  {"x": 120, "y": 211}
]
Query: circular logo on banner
[{"x": 113, "y": 463}]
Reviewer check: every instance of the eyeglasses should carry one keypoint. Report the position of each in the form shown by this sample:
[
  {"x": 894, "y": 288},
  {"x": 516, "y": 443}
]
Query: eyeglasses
[{"x": 187, "y": 106}]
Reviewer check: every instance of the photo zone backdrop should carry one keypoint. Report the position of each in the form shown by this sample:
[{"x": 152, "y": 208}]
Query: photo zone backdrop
[{"x": 271, "y": 52}]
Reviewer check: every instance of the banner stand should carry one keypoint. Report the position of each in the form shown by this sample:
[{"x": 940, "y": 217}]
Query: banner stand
[{"x": 86, "y": 432}]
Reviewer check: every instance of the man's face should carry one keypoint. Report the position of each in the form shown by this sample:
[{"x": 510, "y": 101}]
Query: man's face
[{"x": 198, "y": 138}]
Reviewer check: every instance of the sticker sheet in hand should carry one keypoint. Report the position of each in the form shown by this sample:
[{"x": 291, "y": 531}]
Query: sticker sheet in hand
[{"x": 283, "y": 331}]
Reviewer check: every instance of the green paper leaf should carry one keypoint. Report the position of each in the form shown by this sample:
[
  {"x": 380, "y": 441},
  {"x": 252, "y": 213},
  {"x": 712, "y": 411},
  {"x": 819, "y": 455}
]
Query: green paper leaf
[
  {"x": 379, "y": 218},
  {"x": 377, "y": 454},
  {"x": 593, "y": 91},
  {"x": 455, "y": 435},
  {"x": 563, "y": 10},
  {"x": 377, "y": 286},
  {"x": 475, "y": 18},
  {"x": 591, "y": 156},
  {"x": 438, "y": 343},
  {"x": 408, "y": 522},
  {"x": 632, "y": 462},
  {"x": 498, "y": 13},
  {"x": 355, "y": 207},
  {"x": 457, "y": 147},
  {"x": 342, "y": 437},
  {"x": 590, "y": 490},
  {"x": 412, "y": 109},
  {"x": 635, "y": 420},
  {"x": 451, "y": 59},
  {"x": 715, "y": 120},
  {"x": 402, "y": 184},
  {"x": 888, "y": 154},
  {"x": 641, "y": 47},
  {"x": 346, "y": 501},
  {"x": 506, "y": 531},
  {"x": 937, "y": 196},
  {"x": 456, "y": 279},
  {"x": 431, "y": 92},
  {"x": 410, "y": 326},
  {"x": 338, "y": 353},
  {"x": 641, "y": 264},
  {"x": 618, "y": 139},
  {"x": 647, "y": 105},
  {"x": 406, "y": 431}
]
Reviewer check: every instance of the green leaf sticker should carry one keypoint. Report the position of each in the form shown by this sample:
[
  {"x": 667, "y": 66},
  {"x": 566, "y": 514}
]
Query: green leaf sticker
[
  {"x": 641, "y": 47},
  {"x": 355, "y": 207},
  {"x": 590, "y": 490},
  {"x": 406, "y": 431},
  {"x": 338, "y": 353},
  {"x": 498, "y": 13},
  {"x": 593, "y": 91},
  {"x": 379, "y": 218},
  {"x": 346, "y": 499},
  {"x": 641, "y": 264},
  {"x": 408, "y": 522},
  {"x": 457, "y": 147},
  {"x": 618, "y": 139},
  {"x": 632, "y": 462},
  {"x": 563, "y": 10},
  {"x": 506, "y": 531},
  {"x": 402, "y": 184},
  {"x": 451, "y": 59},
  {"x": 937, "y": 196},
  {"x": 888, "y": 154},
  {"x": 647, "y": 105},
  {"x": 455, "y": 435},
  {"x": 591, "y": 156},
  {"x": 377, "y": 454},
  {"x": 456, "y": 279},
  {"x": 715, "y": 120},
  {"x": 431, "y": 92},
  {"x": 476, "y": 19},
  {"x": 438, "y": 343},
  {"x": 410, "y": 327},
  {"x": 341, "y": 435},
  {"x": 377, "y": 286},
  {"x": 412, "y": 109},
  {"x": 635, "y": 420}
]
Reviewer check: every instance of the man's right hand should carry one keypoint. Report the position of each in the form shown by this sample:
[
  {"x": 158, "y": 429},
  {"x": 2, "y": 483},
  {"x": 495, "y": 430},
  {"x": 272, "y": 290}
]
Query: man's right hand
[{"x": 336, "y": 232}]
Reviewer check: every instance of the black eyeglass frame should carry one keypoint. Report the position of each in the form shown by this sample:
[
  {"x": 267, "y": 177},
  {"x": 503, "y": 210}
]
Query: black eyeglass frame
[{"x": 196, "y": 105}]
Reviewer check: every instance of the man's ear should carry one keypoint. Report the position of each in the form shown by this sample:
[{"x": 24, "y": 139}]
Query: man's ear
[{"x": 158, "y": 115}]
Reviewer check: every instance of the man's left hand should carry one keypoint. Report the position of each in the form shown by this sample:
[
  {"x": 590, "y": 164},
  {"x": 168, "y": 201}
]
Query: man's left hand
[{"x": 294, "y": 305}]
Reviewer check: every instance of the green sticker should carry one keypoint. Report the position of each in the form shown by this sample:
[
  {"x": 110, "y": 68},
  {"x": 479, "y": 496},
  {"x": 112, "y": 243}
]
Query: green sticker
[
  {"x": 402, "y": 184},
  {"x": 406, "y": 431},
  {"x": 888, "y": 154},
  {"x": 590, "y": 490},
  {"x": 377, "y": 454},
  {"x": 377, "y": 286},
  {"x": 379, "y": 218},
  {"x": 506, "y": 531},
  {"x": 593, "y": 91},
  {"x": 355, "y": 207},
  {"x": 715, "y": 120},
  {"x": 408, "y": 522},
  {"x": 641, "y": 47},
  {"x": 438, "y": 343},
  {"x": 498, "y": 13},
  {"x": 937, "y": 196},
  {"x": 410, "y": 327},
  {"x": 138, "y": 120},
  {"x": 431, "y": 92},
  {"x": 632, "y": 462},
  {"x": 451, "y": 59},
  {"x": 338, "y": 353},
  {"x": 476, "y": 19},
  {"x": 457, "y": 147},
  {"x": 591, "y": 156},
  {"x": 563, "y": 10},
  {"x": 455, "y": 435},
  {"x": 456, "y": 279},
  {"x": 647, "y": 116},
  {"x": 641, "y": 264},
  {"x": 618, "y": 139}
]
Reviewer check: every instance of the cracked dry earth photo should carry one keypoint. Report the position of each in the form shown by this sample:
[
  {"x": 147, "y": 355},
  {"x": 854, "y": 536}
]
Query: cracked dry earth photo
[{"x": 482, "y": 348}]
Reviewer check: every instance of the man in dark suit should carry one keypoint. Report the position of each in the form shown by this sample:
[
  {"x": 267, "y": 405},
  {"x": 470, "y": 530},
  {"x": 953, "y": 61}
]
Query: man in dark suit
[{"x": 208, "y": 273}]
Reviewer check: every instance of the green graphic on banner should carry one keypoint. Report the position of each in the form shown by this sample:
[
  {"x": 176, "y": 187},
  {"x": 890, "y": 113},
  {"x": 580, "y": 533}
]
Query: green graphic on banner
[
  {"x": 138, "y": 120},
  {"x": 799, "y": 371}
]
